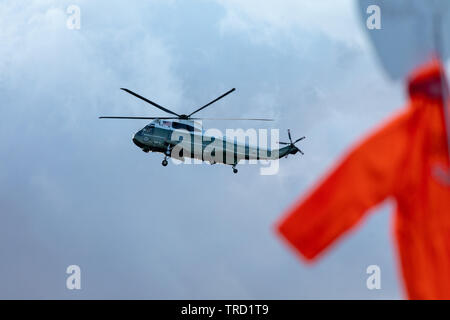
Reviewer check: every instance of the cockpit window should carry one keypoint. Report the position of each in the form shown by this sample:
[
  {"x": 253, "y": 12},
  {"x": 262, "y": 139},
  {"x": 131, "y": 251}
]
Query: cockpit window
[{"x": 149, "y": 129}]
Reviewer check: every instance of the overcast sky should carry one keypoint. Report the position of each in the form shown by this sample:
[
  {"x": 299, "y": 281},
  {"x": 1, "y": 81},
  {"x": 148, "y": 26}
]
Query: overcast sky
[{"x": 76, "y": 190}]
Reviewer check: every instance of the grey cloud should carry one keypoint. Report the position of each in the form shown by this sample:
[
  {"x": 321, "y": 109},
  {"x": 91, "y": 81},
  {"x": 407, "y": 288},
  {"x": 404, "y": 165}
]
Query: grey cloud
[{"x": 75, "y": 190}]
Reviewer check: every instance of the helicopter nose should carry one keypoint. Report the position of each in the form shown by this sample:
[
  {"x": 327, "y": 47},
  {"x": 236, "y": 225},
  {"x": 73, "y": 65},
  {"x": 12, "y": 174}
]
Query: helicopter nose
[{"x": 136, "y": 140}]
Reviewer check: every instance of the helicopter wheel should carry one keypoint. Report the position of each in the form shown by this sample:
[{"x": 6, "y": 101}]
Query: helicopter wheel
[
  {"x": 164, "y": 163},
  {"x": 146, "y": 150},
  {"x": 235, "y": 170}
]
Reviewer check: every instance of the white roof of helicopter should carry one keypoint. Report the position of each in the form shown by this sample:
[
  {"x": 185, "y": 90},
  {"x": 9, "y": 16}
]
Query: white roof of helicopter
[{"x": 197, "y": 124}]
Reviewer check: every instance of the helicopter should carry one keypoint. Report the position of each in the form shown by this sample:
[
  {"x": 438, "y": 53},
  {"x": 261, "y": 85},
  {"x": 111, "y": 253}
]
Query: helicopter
[{"x": 181, "y": 136}]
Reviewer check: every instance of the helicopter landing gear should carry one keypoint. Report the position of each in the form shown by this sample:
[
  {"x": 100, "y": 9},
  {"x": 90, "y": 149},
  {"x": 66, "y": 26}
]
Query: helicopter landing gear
[
  {"x": 234, "y": 169},
  {"x": 166, "y": 154},
  {"x": 168, "y": 151},
  {"x": 146, "y": 150}
]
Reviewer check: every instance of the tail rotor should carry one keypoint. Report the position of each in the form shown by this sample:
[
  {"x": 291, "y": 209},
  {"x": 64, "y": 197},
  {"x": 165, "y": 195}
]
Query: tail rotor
[{"x": 291, "y": 143}]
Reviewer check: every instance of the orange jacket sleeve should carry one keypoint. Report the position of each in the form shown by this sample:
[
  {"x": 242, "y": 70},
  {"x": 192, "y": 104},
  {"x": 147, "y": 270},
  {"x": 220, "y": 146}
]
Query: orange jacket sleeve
[{"x": 364, "y": 178}]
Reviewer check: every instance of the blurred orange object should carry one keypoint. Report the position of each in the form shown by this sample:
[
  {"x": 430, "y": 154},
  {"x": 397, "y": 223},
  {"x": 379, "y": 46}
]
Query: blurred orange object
[{"x": 406, "y": 159}]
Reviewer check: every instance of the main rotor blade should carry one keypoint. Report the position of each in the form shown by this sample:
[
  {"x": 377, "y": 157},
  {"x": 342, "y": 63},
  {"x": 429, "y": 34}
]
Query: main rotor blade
[
  {"x": 250, "y": 119},
  {"x": 151, "y": 102},
  {"x": 299, "y": 139},
  {"x": 146, "y": 118},
  {"x": 210, "y": 103},
  {"x": 176, "y": 118},
  {"x": 289, "y": 135}
]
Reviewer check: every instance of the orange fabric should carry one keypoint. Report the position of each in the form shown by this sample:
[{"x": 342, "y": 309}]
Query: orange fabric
[{"x": 406, "y": 159}]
